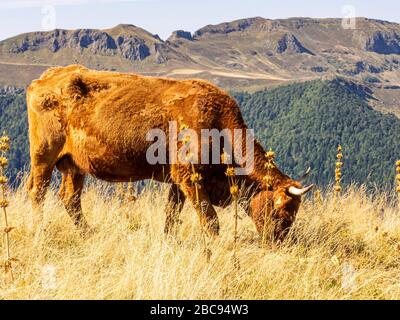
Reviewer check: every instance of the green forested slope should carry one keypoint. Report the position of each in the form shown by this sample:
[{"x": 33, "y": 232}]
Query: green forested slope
[
  {"x": 13, "y": 120},
  {"x": 305, "y": 122}
]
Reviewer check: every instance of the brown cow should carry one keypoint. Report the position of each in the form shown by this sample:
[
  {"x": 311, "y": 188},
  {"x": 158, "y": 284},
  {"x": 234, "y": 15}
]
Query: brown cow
[{"x": 91, "y": 122}]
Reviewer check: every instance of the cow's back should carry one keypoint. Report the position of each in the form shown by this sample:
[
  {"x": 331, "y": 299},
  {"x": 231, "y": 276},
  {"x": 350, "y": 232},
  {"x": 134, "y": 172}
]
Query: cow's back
[
  {"x": 102, "y": 118},
  {"x": 75, "y": 89}
]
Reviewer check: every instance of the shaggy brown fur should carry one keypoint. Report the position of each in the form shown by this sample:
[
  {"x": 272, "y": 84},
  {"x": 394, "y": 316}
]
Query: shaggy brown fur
[{"x": 91, "y": 122}]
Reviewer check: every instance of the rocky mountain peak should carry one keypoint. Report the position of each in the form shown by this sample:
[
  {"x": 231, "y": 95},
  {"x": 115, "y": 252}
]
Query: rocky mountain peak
[{"x": 180, "y": 34}]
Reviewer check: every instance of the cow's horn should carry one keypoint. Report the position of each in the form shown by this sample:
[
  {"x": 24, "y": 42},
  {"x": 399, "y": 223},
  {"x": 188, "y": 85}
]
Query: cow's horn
[{"x": 299, "y": 192}]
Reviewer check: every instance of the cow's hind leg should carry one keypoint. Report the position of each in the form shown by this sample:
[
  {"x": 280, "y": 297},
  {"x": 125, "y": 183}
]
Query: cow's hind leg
[
  {"x": 70, "y": 193},
  {"x": 176, "y": 200},
  {"x": 38, "y": 183}
]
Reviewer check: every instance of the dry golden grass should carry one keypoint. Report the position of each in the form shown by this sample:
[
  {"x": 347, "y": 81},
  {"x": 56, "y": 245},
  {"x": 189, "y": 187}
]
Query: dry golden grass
[{"x": 349, "y": 253}]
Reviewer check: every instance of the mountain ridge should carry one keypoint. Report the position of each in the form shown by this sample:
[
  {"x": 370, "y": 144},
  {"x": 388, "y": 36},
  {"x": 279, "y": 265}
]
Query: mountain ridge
[{"x": 242, "y": 55}]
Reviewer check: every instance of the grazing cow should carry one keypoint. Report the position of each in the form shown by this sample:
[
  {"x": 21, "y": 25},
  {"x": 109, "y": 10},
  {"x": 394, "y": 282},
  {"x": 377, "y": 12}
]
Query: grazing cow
[{"x": 90, "y": 122}]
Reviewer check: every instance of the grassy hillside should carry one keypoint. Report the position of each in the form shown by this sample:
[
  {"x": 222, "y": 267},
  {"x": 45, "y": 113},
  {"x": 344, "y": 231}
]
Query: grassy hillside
[
  {"x": 346, "y": 253},
  {"x": 305, "y": 122},
  {"x": 343, "y": 247}
]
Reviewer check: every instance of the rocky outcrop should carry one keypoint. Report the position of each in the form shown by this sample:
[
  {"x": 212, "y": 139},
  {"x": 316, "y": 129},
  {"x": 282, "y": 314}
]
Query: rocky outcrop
[
  {"x": 33, "y": 43},
  {"x": 133, "y": 48},
  {"x": 178, "y": 38},
  {"x": 161, "y": 53},
  {"x": 179, "y": 35},
  {"x": 383, "y": 43},
  {"x": 318, "y": 69},
  {"x": 362, "y": 67},
  {"x": 288, "y": 43},
  {"x": 98, "y": 42}
]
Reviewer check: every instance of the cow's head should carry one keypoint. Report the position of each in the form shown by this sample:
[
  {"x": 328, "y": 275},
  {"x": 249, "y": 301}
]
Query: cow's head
[{"x": 273, "y": 212}]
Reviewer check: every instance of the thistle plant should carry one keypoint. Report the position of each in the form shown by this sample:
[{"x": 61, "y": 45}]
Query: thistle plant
[
  {"x": 338, "y": 172},
  {"x": 234, "y": 190},
  {"x": 318, "y": 200},
  {"x": 130, "y": 196},
  {"x": 4, "y": 148},
  {"x": 125, "y": 192},
  {"x": 269, "y": 166},
  {"x": 119, "y": 192},
  {"x": 195, "y": 179}
]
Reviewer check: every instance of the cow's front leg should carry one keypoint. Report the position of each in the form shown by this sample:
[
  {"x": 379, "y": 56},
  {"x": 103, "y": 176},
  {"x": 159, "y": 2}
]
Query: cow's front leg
[{"x": 37, "y": 185}]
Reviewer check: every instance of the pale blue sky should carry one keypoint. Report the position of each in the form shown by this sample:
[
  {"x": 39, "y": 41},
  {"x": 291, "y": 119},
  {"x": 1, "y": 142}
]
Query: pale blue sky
[{"x": 163, "y": 17}]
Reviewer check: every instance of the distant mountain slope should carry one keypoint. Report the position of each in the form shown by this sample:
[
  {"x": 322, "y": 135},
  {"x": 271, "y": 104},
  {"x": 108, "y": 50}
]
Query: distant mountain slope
[
  {"x": 110, "y": 48},
  {"x": 302, "y": 49},
  {"x": 304, "y": 123},
  {"x": 246, "y": 54}
]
